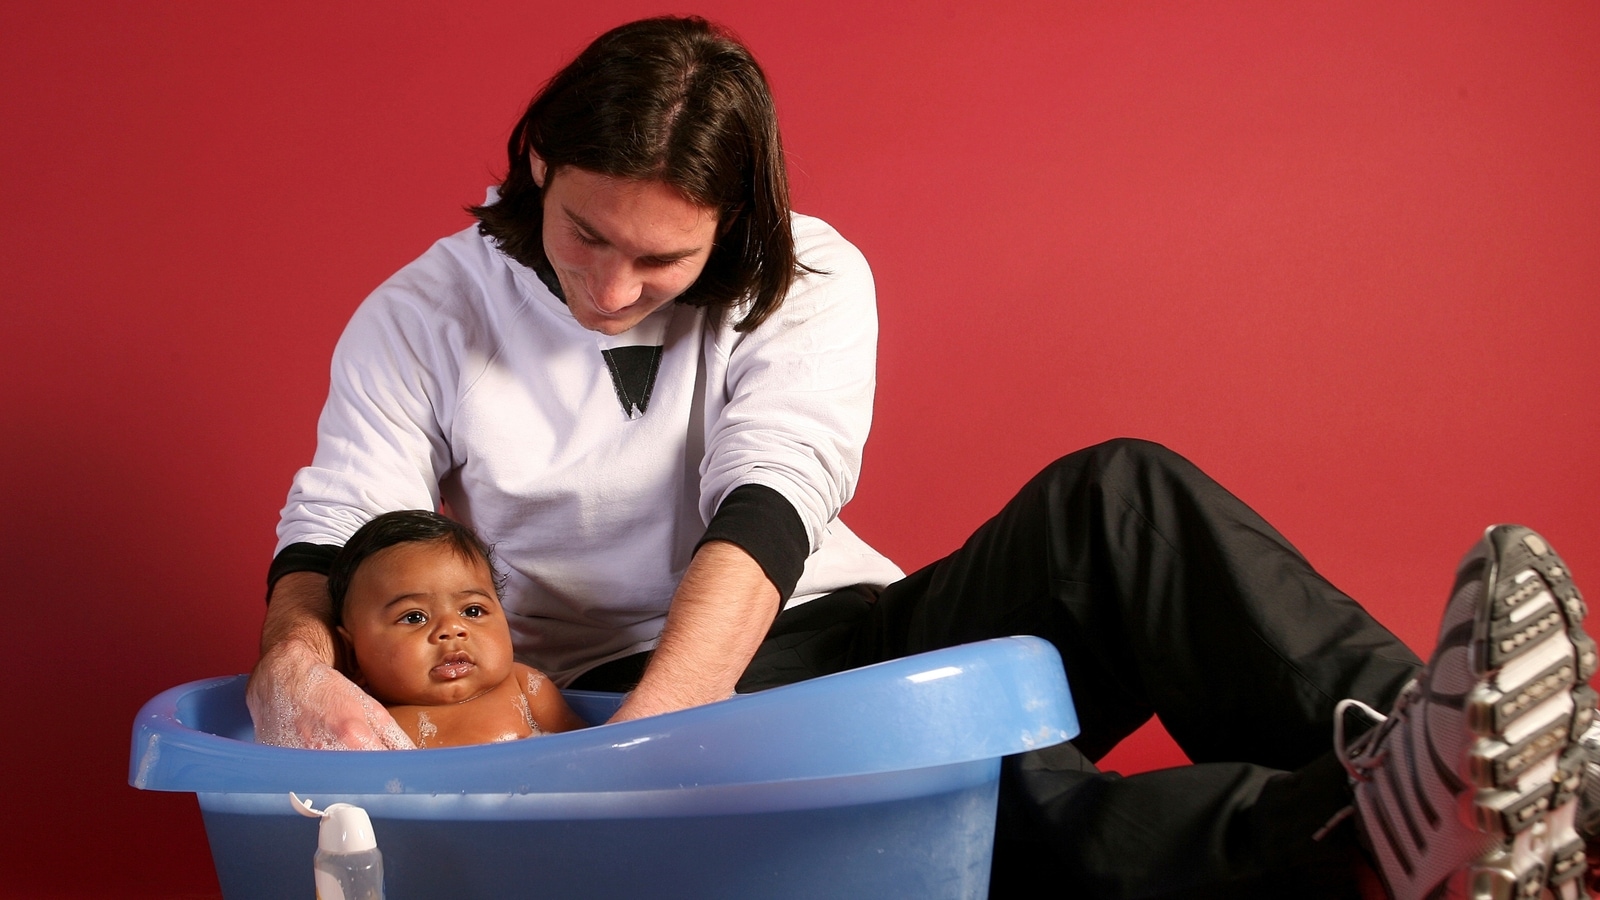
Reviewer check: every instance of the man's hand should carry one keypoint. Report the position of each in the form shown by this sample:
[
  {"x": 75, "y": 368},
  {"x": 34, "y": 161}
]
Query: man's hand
[
  {"x": 298, "y": 700},
  {"x": 296, "y": 697}
]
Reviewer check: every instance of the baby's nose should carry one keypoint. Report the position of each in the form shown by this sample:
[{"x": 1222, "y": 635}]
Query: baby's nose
[{"x": 450, "y": 630}]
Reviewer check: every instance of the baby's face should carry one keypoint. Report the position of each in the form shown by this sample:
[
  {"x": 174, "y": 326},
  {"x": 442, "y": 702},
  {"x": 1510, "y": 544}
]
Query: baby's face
[{"x": 426, "y": 626}]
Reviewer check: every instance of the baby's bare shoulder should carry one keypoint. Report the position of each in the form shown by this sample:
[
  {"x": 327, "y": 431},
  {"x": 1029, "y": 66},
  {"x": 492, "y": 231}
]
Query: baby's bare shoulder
[
  {"x": 530, "y": 680},
  {"x": 546, "y": 706}
]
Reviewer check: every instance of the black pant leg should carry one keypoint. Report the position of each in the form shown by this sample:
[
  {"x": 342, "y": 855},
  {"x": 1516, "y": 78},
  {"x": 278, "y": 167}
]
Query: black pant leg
[
  {"x": 1164, "y": 593},
  {"x": 811, "y": 640},
  {"x": 1210, "y": 830}
]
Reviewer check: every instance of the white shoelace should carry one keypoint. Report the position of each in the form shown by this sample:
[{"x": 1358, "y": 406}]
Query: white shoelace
[
  {"x": 1367, "y": 753},
  {"x": 1358, "y": 764}
]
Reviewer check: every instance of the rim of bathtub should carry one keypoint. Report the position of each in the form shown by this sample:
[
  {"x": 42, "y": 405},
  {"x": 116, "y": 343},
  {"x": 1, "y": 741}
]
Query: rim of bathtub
[{"x": 959, "y": 704}]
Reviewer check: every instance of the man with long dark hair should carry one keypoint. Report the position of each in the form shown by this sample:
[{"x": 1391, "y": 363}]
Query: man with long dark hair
[{"x": 648, "y": 383}]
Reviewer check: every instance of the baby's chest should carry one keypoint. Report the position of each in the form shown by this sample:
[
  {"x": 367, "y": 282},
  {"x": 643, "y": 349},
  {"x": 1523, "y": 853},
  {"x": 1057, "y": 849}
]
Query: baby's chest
[{"x": 492, "y": 718}]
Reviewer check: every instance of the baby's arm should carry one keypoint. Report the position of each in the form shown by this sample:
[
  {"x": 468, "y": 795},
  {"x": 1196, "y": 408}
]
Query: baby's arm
[{"x": 549, "y": 709}]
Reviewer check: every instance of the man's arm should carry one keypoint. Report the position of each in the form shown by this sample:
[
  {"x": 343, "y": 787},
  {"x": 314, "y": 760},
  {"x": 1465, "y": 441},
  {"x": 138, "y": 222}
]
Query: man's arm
[
  {"x": 798, "y": 406},
  {"x": 300, "y": 611},
  {"x": 296, "y": 697},
  {"x": 719, "y": 615}
]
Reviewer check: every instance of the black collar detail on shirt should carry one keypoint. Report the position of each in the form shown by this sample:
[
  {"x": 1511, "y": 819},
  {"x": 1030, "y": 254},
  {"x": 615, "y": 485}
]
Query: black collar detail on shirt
[
  {"x": 548, "y": 276},
  {"x": 633, "y": 374}
]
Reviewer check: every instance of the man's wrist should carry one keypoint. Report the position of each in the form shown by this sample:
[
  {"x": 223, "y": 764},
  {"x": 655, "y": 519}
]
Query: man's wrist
[
  {"x": 300, "y": 611},
  {"x": 302, "y": 650}
]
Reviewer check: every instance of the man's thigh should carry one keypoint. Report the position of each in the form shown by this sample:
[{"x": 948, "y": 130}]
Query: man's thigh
[{"x": 811, "y": 640}]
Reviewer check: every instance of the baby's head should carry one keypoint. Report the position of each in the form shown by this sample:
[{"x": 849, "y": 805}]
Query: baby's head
[{"x": 416, "y": 599}]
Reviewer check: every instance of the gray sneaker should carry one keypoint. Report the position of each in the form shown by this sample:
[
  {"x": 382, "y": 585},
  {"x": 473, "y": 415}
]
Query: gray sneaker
[
  {"x": 1469, "y": 787},
  {"x": 1589, "y": 802}
]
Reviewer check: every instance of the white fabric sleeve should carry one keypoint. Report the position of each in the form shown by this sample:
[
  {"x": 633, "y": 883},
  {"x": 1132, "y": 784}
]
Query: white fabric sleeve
[
  {"x": 380, "y": 442},
  {"x": 798, "y": 389}
]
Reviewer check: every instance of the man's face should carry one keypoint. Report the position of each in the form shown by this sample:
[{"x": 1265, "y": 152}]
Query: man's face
[
  {"x": 426, "y": 626},
  {"x": 622, "y": 249}
]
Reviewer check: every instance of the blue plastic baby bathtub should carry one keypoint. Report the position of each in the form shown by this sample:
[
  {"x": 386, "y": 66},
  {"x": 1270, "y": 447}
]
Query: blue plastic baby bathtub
[{"x": 878, "y": 782}]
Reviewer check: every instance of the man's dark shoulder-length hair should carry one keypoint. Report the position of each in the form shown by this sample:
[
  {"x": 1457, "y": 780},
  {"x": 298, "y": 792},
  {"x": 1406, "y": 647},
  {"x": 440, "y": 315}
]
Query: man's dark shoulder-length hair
[{"x": 677, "y": 100}]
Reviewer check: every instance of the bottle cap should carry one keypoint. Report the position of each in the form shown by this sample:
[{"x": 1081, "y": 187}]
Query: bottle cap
[{"x": 345, "y": 828}]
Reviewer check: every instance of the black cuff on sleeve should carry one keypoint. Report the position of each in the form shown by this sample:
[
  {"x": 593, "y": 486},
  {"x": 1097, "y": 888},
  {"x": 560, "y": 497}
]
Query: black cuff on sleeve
[
  {"x": 316, "y": 558},
  {"x": 765, "y": 525}
]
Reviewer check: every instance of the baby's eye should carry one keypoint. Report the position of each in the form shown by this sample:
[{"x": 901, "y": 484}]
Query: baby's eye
[
  {"x": 474, "y": 611},
  {"x": 414, "y": 617}
]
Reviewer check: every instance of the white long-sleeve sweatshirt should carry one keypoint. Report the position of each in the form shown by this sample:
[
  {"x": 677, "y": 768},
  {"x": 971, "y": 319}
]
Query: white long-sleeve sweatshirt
[{"x": 464, "y": 379}]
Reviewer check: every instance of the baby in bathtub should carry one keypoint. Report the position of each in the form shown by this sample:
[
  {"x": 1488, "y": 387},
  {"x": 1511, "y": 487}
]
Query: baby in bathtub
[{"x": 417, "y": 603}]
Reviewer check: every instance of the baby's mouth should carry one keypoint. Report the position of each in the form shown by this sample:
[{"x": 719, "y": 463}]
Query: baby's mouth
[{"x": 453, "y": 666}]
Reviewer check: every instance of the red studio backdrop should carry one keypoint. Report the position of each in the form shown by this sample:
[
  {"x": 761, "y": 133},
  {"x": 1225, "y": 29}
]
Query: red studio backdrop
[{"x": 1345, "y": 256}]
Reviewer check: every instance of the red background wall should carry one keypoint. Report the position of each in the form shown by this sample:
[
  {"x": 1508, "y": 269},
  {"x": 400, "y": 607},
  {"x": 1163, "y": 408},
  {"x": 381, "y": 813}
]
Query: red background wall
[{"x": 1343, "y": 255}]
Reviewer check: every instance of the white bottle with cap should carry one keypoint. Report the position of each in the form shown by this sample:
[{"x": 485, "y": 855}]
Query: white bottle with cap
[{"x": 348, "y": 865}]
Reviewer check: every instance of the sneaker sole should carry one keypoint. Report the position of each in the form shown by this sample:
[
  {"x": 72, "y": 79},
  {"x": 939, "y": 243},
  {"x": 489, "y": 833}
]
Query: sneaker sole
[{"x": 1532, "y": 702}]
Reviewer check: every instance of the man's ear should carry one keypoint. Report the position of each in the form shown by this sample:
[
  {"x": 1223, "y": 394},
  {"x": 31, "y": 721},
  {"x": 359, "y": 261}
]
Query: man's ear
[{"x": 538, "y": 168}]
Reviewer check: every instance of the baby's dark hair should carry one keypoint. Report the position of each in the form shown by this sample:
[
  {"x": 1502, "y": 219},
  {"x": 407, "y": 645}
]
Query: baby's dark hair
[{"x": 406, "y": 526}]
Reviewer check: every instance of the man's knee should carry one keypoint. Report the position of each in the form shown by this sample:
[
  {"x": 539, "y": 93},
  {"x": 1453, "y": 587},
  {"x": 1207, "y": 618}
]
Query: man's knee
[{"x": 1118, "y": 456}]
